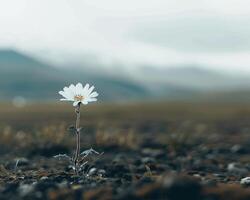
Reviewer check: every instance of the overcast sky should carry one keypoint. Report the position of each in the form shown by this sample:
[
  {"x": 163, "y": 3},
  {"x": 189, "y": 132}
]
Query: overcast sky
[{"x": 161, "y": 33}]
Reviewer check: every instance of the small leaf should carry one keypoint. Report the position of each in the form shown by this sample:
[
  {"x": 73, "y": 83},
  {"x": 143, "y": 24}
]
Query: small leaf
[
  {"x": 62, "y": 156},
  {"x": 72, "y": 129},
  {"x": 88, "y": 152}
]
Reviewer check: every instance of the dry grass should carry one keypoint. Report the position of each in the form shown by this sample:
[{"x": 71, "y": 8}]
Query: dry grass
[
  {"x": 140, "y": 141},
  {"x": 126, "y": 126}
]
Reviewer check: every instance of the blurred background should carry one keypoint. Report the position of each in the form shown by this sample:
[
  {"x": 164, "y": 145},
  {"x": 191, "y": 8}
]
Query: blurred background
[
  {"x": 134, "y": 50},
  {"x": 174, "y": 84}
]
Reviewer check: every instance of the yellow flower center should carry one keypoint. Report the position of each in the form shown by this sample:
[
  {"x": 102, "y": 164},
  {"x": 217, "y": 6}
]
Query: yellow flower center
[{"x": 78, "y": 97}]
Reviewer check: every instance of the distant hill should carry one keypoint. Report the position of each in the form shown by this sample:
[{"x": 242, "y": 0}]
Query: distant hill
[
  {"x": 22, "y": 75},
  {"x": 192, "y": 78}
]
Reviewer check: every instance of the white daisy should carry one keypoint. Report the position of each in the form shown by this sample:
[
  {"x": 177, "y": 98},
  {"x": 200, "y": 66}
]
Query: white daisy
[{"x": 79, "y": 94}]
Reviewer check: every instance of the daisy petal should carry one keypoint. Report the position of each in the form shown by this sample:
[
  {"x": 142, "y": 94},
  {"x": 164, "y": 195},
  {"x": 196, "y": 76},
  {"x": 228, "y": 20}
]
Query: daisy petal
[
  {"x": 64, "y": 94},
  {"x": 86, "y": 87},
  {"x": 71, "y": 86},
  {"x": 65, "y": 100},
  {"x": 92, "y": 99},
  {"x": 61, "y": 92},
  {"x": 65, "y": 88},
  {"x": 79, "y": 86},
  {"x": 90, "y": 90},
  {"x": 85, "y": 102},
  {"x": 72, "y": 89},
  {"x": 69, "y": 92},
  {"x": 75, "y": 103},
  {"x": 94, "y": 94}
]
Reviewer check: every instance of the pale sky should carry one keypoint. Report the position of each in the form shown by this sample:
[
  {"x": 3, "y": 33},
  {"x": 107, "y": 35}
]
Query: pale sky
[{"x": 162, "y": 33}]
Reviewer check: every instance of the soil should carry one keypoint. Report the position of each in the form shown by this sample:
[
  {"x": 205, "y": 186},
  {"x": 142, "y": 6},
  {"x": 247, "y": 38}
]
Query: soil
[{"x": 168, "y": 151}]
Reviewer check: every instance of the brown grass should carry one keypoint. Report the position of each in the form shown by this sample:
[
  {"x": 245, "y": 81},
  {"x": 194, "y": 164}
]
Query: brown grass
[{"x": 176, "y": 124}]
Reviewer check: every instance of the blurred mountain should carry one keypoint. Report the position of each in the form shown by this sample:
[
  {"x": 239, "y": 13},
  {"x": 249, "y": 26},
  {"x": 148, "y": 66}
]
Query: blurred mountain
[
  {"x": 33, "y": 79},
  {"x": 192, "y": 77},
  {"x": 22, "y": 75}
]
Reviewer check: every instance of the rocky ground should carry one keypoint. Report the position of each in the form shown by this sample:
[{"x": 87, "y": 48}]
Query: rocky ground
[{"x": 163, "y": 151}]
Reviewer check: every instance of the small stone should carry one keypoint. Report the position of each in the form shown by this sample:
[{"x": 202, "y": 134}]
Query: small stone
[
  {"x": 38, "y": 195},
  {"x": 219, "y": 175},
  {"x": 63, "y": 184},
  {"x": 101, "y": 171},
  {"x": 197, "y": 175},
  {"x": 92, "y": 171},
  {"x": 44, "y": 178},
  {"x": 237, "y": 149},
  {"x": 209, "y": 182},
  {"x": 21, "y": 177},
  {"x": 245, "y": 181},
  {"x": 25, "y": 189},
  {"x": 236, "y": 169},
  {"x": 148, "y": 160},
  {"x": 156, "y": 153},
  {"x": 76, "y": 187}
]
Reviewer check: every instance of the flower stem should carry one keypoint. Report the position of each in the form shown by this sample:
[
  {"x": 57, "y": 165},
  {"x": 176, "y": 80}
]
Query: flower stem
[{"x": 78, "y": 133}]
